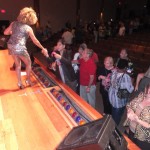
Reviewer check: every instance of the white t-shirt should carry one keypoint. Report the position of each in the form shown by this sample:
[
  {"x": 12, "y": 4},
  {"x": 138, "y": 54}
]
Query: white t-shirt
[{"x": 75, "y": 66}]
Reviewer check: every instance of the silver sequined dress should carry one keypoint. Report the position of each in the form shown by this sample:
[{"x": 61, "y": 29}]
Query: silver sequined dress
[{"x": 18, "y": 39}]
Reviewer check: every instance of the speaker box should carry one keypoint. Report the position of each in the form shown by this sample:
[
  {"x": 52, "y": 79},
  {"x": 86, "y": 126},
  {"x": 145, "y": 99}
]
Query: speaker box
[{"x": 101, "y": 134}]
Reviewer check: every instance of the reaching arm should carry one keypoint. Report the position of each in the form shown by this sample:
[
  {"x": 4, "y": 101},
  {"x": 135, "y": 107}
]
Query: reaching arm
[
  {"x": 91, "y": 80},
  {"x": 133, "y": 117},
  {"x": 101, "y": 77},
  {"x": 34, "y": 39},
  {"x": 139, "y": 77},
  {"x": 8, "y": 30},
  {"x": 37, "y": 43},
  {"x": 90, "y": 83},
  {"x": 143, "y": 123}
]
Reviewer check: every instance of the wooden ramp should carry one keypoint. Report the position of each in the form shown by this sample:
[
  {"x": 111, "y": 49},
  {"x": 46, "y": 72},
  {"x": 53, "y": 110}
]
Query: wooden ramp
[{"x": 29, "y": 118}]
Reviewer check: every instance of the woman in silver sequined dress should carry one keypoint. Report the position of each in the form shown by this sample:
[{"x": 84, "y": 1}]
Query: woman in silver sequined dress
[{"x": 20, "y": 31}]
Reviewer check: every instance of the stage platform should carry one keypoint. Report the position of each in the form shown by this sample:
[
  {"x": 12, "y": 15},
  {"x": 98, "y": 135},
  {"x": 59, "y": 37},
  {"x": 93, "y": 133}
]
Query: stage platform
[{"x": 32, "y": 118}]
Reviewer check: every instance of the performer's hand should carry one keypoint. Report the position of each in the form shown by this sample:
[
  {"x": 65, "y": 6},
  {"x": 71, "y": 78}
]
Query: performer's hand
[{"x": 45, "y": 52}]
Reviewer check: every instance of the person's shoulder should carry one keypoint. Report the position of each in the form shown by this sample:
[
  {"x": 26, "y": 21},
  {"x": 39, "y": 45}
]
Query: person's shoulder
[
  {"x": 23, "y": 24},
  {"x": 114, "y": 69},
  {"x": 28, "y": 28},
  {"x": 126, "y": 75}
]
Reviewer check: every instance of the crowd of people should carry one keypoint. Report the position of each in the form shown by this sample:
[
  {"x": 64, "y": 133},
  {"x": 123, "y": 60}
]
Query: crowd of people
[
  {"x": 81, "y": 73},
  {"x": 113, "y": 75},
  {"x": 92, "y": 31}
]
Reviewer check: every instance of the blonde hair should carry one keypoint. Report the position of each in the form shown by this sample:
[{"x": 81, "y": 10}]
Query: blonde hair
[{"x": 28, "y": 16}]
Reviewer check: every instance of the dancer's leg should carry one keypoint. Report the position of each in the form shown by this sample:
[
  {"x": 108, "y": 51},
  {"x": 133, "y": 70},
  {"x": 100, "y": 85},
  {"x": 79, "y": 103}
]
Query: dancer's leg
[
  {"x": 27, "y": 61},
  {"x": 18, "y": 68}
]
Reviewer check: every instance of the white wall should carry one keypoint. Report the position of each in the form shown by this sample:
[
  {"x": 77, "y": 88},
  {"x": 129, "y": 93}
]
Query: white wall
[
  {"x": 109, "y": 10},
  {"x": 90, "y": 10},
  {"x": 57, "y": 12}
]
